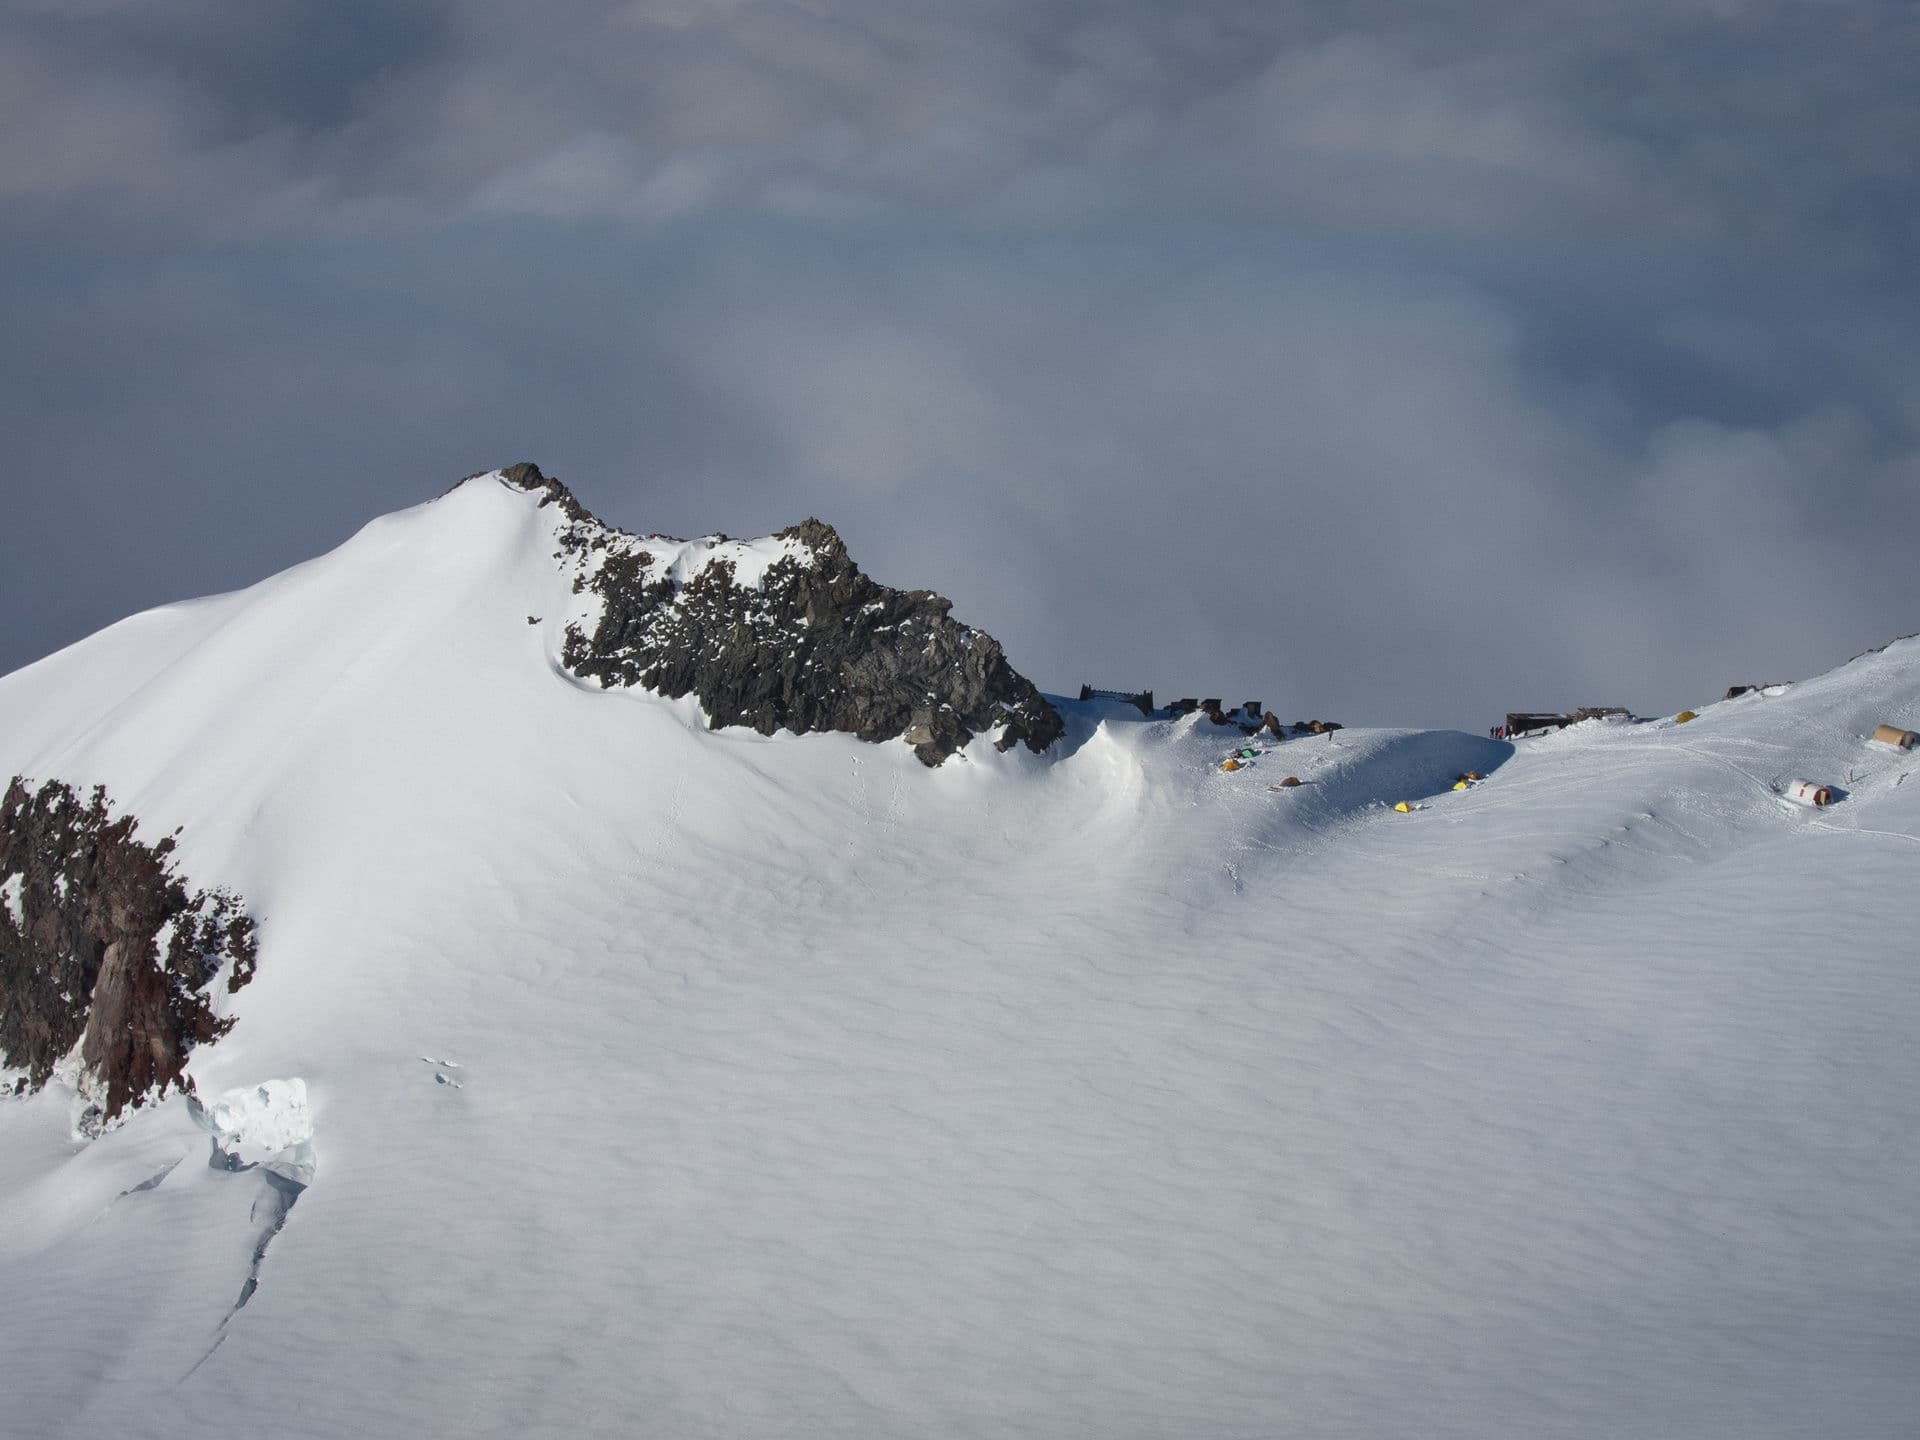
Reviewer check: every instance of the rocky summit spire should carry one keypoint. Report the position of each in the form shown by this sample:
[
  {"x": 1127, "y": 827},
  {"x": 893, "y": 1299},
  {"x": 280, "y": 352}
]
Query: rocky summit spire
[
  {"x": 105, "y": 953},
  {"x": 784, "y": 633}
]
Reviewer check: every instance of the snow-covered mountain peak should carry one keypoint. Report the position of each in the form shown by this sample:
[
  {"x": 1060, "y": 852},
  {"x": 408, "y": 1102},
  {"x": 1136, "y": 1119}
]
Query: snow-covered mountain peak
[{"x": 716, "y": 1082}]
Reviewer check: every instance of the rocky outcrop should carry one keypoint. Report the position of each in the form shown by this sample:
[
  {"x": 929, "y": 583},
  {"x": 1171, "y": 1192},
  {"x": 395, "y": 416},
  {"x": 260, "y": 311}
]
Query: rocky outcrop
[
  {"x": 103, "y": 945},
  {"x": 785, "y": 633}
]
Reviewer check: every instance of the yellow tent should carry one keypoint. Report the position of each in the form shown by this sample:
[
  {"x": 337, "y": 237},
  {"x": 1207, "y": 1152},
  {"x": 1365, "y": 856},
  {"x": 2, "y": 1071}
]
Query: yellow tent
[
  {"x": 1229, "y": 764},
  {"x": 1684, "y": 716}
]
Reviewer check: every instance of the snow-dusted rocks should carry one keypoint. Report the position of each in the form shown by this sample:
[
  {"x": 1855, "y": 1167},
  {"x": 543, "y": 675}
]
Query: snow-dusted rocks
[
  {"x": 784, "y": 633},
  {"x": 104, "y": 949}
]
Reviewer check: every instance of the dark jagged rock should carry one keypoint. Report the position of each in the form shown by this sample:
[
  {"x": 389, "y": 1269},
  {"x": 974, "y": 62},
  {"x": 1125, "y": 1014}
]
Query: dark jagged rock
[
  {"x": 526, "y": 476},
  {"x": 813, "y": 643},
  {"x": 101, "y": 943}
]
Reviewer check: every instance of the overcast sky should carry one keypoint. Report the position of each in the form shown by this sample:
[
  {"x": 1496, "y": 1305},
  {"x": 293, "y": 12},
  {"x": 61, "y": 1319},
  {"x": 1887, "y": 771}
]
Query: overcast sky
[{"x": 1394, "y": 361}]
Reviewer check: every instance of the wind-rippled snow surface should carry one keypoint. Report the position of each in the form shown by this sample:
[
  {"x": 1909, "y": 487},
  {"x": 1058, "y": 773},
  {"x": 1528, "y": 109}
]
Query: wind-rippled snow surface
[{"x": 676, "y": 1083}]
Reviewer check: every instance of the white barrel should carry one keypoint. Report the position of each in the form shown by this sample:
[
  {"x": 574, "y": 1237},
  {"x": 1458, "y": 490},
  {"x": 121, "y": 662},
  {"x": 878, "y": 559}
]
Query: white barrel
[{"x": 1808, "y": 792}]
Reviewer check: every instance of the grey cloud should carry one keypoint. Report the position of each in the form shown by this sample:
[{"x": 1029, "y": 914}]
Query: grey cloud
[
  {"x": 1786, "y": 123},
  {"x": 1293, "y": 471},
  {"x": 1397, "y": 361}
]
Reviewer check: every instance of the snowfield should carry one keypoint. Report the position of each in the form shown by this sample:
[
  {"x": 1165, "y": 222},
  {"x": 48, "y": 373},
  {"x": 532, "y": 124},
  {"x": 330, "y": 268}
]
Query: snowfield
[{"x": 668, "y": 1082}]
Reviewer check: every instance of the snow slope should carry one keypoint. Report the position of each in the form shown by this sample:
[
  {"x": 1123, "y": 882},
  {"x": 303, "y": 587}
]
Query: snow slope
[{"x": 680, "y": 1083}]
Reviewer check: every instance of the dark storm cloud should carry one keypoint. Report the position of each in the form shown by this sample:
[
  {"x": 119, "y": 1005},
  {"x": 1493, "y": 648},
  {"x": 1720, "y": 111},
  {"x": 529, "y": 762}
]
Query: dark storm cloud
[{"x": 1392, "y": 360}]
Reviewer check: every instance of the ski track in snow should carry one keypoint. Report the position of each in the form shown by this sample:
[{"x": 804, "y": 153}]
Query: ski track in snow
[{"x": 1096, "y": 1094}]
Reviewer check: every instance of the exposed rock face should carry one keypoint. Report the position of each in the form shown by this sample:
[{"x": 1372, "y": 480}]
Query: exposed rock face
[
  {"x": 101, "y": 943},
  {"x": 785, "y": 633}
]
